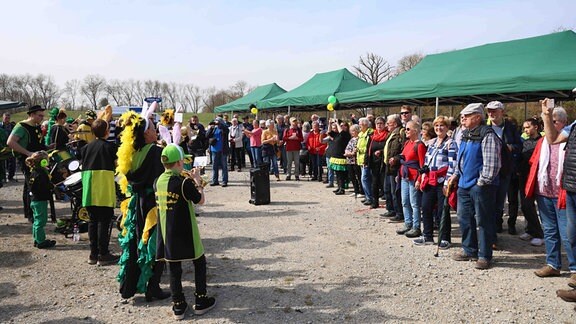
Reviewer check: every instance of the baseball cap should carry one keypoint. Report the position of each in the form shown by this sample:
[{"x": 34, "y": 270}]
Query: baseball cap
[
  {"x": 173, "y": 153},
  {"x": 473, "y": 108},
  {"x": 495, "y": 105}
]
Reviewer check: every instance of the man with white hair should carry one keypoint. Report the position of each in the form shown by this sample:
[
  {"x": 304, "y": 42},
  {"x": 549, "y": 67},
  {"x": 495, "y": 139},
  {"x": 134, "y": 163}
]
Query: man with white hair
[
  {"x": 510, "y": 136},
  {"x": 568, "y": 135},
  {"x": 476, "y": 172}
]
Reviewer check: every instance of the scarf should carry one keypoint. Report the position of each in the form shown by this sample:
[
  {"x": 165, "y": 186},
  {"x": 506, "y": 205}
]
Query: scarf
[
  {"x": 377, "y": 136},
  {"x": 543, "y": 176}
]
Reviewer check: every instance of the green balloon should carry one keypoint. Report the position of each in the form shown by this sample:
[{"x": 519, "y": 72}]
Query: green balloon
[{"x": 332, "y": 99}]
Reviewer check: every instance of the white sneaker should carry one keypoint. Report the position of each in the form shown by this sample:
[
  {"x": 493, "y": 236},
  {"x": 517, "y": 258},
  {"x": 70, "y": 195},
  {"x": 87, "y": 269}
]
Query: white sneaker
[
  {"x": 352, "y": 195},
  {"x": 525, "y": 237},
  {"x": 360, "y": 196},
  {"x": 536, "y": 241}
]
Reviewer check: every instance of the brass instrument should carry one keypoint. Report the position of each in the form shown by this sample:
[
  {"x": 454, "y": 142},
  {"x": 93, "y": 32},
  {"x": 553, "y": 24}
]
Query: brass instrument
[{"x": 188, "y": 174}]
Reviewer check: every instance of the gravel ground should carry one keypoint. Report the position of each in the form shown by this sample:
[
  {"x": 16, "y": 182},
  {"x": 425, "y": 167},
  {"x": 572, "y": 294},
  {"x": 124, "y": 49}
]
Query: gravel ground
[{"x": 308, "y": 257}]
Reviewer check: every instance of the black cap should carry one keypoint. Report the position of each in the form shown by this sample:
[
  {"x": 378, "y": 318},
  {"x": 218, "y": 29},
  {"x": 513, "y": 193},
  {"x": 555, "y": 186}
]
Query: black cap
[{"x": 35, "y": 108}]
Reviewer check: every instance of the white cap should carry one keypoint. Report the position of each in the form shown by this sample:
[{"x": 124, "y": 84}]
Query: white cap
[
  {"x": 473, "y": 108},
  {"x": 495, "y": 105}
]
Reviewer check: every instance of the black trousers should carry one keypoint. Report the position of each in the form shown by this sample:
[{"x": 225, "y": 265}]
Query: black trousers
[
  {"x": 434, "y": 197},
  {"x": 513, "y": 201},
  {"x": 236, "y": 159},
  {"x": 533, "y": 226},
  {"x": 376, "y": 171},
  {"x": 355, "y": 175},
  {"x": 99, "y": 229},
  {"x": 176, "y": 278},
  {"x": 26, "y": 192}
]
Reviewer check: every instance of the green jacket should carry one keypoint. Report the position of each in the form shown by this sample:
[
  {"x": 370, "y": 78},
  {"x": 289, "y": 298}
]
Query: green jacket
[{"x": 362, "y": 146}]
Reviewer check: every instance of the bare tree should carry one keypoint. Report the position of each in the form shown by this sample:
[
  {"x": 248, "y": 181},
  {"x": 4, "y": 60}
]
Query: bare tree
[
  {"x": 408, "y": 62},
  {"x": 92, "y": 89},
  {"x": 114, "y": 89},
  {"x": 213, "y": 98},
  {"x": 373, "y": 68},
  {"x": 48, "y": 92},
  {"x": 25, "y": 89},
  {"x": 170, "y": 94},
  {"x": 192, "y": 98},
  {"x": 71, "y": 89},
  {"x": 239, "y": 89}
]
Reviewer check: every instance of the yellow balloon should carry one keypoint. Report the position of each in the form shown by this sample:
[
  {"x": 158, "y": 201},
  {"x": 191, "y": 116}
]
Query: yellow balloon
[
  {"x": 254, "y": 110},
  {"x": 330, "y": 107}
]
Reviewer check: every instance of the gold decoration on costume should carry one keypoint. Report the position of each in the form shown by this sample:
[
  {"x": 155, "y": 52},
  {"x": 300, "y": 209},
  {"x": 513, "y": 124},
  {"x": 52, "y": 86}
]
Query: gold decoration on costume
[
  {"x": 167, "y": 118},
  {"x": 126, "y": 150}
]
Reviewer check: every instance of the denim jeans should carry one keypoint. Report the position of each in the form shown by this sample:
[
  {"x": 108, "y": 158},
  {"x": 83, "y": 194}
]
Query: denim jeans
[
  {"x": 411, "y": 202},
  {"x": 555, "y": 233},
  {"x": 367, "y": 182},
  {"x": 220, "y": 161},
  {"x": 571, "y": 217},
  {"x": 256, "y": 155},
  {"x": 272, "y": 161},
  {"x": 476, "y": 209},
  {"x": 316, "y": 166},
  {"x": 330, "y": 176}
]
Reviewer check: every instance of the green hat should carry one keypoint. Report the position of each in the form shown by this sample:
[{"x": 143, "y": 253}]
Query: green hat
[
  {"x": 69, "y": 120},
  {"x": 54, "y": 111},
  {"x": 173, "y": 153}
]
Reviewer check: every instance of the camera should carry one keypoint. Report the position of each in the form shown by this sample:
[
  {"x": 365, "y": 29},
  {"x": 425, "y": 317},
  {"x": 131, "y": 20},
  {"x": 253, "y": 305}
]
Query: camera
[{"x": 424, "y": 169}]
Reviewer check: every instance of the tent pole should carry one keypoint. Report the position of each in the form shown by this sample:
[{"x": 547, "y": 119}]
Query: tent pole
[
  {"x": 288, "y": 110},
  {"x": 436, "y": 113},
  {"x": 525, "y": 109}
]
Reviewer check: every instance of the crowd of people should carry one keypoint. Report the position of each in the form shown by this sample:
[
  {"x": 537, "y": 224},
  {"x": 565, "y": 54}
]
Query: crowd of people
[
  {"x": 152, "y": 176},
  {"x": 474, "y": 163}
]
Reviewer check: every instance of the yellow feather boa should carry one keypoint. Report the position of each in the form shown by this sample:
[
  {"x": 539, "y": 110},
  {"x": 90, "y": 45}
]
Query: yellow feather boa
[{"x": 126, "y": 150}]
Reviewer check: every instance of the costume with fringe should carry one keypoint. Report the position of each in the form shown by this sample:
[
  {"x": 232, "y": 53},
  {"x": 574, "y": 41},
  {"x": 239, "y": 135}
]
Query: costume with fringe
[{"x": 138, "y": 171}]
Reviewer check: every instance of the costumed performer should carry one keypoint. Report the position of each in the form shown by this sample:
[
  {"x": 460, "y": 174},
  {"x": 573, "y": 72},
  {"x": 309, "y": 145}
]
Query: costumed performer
[{"x": 139, "y": 165}]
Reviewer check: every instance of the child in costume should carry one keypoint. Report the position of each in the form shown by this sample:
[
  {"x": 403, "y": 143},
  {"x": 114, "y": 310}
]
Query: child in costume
[
  {"x": 178, "y": 235},
  {"x": 40, "y": 195}
]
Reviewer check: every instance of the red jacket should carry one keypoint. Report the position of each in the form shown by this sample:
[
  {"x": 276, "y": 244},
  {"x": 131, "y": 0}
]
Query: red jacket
[
  {"x": 531, "y": 181},
  {"x": 293, "y": 144},
  {"x": 314, "y": 143}
]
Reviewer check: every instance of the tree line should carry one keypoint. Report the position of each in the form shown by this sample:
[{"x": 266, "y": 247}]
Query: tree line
[{"x": 94, "y": 91}]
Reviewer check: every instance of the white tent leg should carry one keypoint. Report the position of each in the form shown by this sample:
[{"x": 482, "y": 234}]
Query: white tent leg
[{"x": 437, "y": 104}]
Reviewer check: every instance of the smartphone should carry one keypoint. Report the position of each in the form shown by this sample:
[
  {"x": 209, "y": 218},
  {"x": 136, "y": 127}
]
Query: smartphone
[{"x": 550, "y": 103}]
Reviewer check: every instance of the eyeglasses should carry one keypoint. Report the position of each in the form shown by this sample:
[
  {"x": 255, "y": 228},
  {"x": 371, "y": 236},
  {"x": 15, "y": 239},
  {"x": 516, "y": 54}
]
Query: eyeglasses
[
  {"x": 380, "y": 123},
  {"x": 405, "y": 113},
  {"x": 343, "y": 125},
  {"x": 556, "y": 122},
  {"x": 407, "y": 129}
]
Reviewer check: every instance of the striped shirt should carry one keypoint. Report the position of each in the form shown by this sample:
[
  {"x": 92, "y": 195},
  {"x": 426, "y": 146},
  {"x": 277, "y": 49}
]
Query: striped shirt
[{"x": 441, "y": 154}]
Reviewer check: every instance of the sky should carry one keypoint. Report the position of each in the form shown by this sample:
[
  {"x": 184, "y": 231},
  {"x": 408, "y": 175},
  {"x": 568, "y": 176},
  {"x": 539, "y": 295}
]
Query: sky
[{"x": 217, "y": 43}]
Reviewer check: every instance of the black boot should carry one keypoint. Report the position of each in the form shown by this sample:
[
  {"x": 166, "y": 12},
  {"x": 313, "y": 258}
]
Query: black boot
[{"x": 156, "y": 292}]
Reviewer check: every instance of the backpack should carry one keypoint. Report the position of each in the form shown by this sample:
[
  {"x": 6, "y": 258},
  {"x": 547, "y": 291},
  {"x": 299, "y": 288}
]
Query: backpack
[{"x": 505, "y": 155}]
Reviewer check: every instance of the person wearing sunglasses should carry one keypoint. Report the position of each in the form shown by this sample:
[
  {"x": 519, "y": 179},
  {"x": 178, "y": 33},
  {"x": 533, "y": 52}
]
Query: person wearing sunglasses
[
  {"x": 405, "y": 114},
  {"x": 26, "y": 138}
]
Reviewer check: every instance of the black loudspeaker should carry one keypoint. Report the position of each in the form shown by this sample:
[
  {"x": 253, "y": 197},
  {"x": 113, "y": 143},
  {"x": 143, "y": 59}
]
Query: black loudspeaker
[{"x": 260, "y": 185}]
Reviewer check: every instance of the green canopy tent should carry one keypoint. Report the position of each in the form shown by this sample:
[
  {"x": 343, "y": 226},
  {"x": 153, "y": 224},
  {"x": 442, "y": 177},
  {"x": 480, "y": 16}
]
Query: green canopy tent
[
  {"x": 6, "y": 105},
  {"x": 260, "y": 93},
  {"x": 515, "y": 71},
  {"x": 313, "y": 94}
]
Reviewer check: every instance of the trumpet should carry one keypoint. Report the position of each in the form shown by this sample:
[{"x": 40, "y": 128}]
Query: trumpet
[{"x": 188, "y": 174}]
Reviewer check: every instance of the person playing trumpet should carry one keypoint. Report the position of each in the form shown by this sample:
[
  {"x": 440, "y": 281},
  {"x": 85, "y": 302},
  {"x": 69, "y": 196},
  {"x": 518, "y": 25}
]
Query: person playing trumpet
[{"x": 178, "y": 237}]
